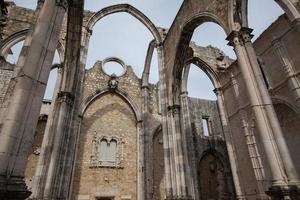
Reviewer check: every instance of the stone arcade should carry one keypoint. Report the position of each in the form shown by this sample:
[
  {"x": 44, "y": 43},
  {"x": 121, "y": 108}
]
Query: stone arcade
[{"x": 118, "y": 137}]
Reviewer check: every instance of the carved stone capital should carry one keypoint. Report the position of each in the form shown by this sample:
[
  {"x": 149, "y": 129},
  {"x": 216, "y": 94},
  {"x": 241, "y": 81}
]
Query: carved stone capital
[
  {"x": 246, "y": 34},
  {"x": 218, "y": 91},
  {"x": 66, "y": 97},
  {"x": 174, "y": 109},
  {"x": 63, "y": 3},
  {"x": 40, "y": 3},
  {"x": 240, "y": 37},
  {"x": 283, "y": 192},
  {"x": 233, "y": 39}
]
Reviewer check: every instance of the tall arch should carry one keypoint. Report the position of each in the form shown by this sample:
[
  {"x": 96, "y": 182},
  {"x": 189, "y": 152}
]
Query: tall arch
[
  {"x": 13, "y": 39},
  {"x": 130, "y": 10},
  {"x": 287, "y": 6},
  {"x": 289, "y": 120},
  {"x": 182, "y": 50},
  {"x": 208, "y": 70},
  {"x": 212, "y": 176}
]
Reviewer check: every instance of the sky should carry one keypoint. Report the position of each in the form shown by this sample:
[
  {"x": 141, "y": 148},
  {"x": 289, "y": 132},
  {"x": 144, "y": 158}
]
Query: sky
[{"x": 120, "y": 35}]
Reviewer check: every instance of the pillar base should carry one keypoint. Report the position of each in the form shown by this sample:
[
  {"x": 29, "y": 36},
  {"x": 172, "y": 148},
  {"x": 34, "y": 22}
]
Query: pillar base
[
  {"x": 291, "y": 192},
  {"x": 179, "y": 198},
  {"x": 13, "y": 189}
]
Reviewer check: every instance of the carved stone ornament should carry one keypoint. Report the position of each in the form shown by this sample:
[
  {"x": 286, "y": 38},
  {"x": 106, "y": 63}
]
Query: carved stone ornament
[
  {"x": 96, "y": 161},
  {"x": 63, "y": 3},
  {"x": 113, "y": 82},
  {"x": 66, "y": 97}
]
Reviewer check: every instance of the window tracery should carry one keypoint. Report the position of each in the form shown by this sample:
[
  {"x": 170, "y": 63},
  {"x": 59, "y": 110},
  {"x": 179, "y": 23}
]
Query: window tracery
[{"x": 107, "y": 151}]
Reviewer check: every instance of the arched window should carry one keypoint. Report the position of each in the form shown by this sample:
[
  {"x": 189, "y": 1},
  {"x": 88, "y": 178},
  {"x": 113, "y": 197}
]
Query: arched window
[
  {"x": 103, "y": 150},
  {"x": 107, "y": 151},
  {"x": 112, "y": 153}
]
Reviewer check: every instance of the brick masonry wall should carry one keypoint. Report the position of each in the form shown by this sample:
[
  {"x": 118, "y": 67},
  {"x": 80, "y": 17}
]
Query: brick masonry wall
[
  {"x": 5, "y": 76},
  {"x": 108, "y": 115}
]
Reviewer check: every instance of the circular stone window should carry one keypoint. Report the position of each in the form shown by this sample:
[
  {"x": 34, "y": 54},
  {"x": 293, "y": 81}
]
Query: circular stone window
[{"x": 113, "y": 66}]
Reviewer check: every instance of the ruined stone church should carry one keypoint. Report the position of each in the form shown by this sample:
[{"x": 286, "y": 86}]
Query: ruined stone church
[{"x": 107, "y": 136}]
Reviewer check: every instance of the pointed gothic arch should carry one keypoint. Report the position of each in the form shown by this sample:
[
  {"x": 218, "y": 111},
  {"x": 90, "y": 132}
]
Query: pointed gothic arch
[{"x": 130, "y": 10}]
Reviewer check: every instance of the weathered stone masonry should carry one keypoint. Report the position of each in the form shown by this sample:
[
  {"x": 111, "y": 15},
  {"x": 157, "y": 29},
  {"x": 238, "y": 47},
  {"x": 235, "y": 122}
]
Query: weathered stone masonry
[{"x": 153, "y": 134}]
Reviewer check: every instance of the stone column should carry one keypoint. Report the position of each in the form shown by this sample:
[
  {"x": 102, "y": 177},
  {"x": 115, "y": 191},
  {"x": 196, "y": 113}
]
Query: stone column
[
  {"x": 140, "y": 161},
  {"x": 293, "y": 81},
  {"x": 164, "y": 113},
  {"x": 41, "y": 172},
  {"x": 180, "y": 163},
  {"x": 264, "y": 128},
  {"x": 55, "y": 167},
  {"x": 230, "y": 147},
  {"x": 30, "y": 82},
  {"x": 188, "y": 145},
  {"x": 288, "y": 164}
]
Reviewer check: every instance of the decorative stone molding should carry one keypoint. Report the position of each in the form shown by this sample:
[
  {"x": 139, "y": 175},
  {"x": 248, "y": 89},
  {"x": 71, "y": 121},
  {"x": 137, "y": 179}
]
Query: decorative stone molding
[
  {"x": 95, "y": 160},
  {"x": 63, "y": 3},
  {"x": 113, "y": 82},
  {"x": 116, "y": 60},
  {"x": 246, "y": 34},
  {"x": 174, "y": 109},
  {"x": 66, "y": 97},
  {"x": 233, "y": 38}
]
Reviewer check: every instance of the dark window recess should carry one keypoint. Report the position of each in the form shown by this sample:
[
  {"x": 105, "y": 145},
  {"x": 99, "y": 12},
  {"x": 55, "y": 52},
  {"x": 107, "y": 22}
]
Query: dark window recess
[
  {"x": 263, "y": 73},
  {"x": 205, "y": 126}
]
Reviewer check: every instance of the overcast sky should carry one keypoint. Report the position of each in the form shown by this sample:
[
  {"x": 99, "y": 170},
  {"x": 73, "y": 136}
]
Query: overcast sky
[{"x": 123, "y": 36}]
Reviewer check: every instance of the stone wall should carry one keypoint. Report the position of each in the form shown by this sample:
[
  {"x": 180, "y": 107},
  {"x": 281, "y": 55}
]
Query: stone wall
[
  {"x": 112, "y": 113},
  {"x": 35, "y": 151},
  {"x": 201, "y": 108},
  {"x": 6, "y": 73}
]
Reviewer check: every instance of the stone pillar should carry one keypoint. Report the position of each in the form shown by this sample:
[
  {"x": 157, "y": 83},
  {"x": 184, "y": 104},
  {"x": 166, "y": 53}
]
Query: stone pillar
[
  {"x": 166, "y": 143},
  {"x": 55, "y": 168},
  {"x": 293, "y": 81},
  {"x": 30, "y": 80},
  {"x": 140, "y": 160},
  {"x": 187, "y": 138},
  {"x": 288, "y": 164},
  {"x": 180, "y": 171},
  {"x": 264, "y": 127},
  {"x": 230, "y": 147},
  {"x": 40, "y": 172}
]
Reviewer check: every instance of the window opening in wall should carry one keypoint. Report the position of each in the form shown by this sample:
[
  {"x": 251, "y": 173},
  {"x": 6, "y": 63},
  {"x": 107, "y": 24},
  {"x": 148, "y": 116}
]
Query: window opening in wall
[
  {"x": 108, "y": 150},
  {"x": 205, "y": 126},
  {"x": 113, "y": 68}
]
